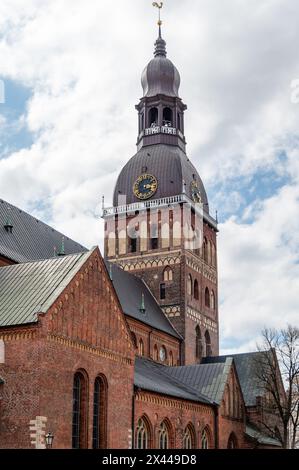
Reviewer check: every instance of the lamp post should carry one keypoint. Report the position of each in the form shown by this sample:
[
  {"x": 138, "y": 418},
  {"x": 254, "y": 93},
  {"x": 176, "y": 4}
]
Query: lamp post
[{"x": 49, "y": 440}]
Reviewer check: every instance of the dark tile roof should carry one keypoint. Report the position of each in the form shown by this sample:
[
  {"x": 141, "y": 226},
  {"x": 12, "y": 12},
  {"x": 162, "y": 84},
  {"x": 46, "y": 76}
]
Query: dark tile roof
[
  {"x": 255, "y": 434},
  {"x": 207, "y": 379},
  {"x": 156, "y": 378},
  {"x": 30, "y": 239},
  {"x": 129, "y": 289},
  {"x": 245, "y": 365},
  {"x": 31, "y": 288}
]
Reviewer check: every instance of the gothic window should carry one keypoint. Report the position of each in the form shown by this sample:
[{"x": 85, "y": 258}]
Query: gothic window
[
  {"x": 213, "y": 255},
  {"x": 141, "y": 347},
  {"x": 167, "y": 117},
  {"x": 168, "y": 274},
  {"x": 189, "y": 285},
  {"x": 198, "y": 344},
  {"x": 208, "y": 344},
  {"x": 132, "y": 244},
  {"x": 213, "y": 301},
  {"x": 170, "y": 360},
  {"x": 205, "y": 250},
  {"x": 205, "y": 439},
  {"x": 156, "y": 353},
  {"x": 143, "y": 436},
  {"x": 162, "y": 291},
  {"x": 134, "y": 339},
  {"x": 79, "y": 421},
  {"x": 189, "y": 439},
  {"x": 153, "y": 117},
  {"x": 99, "y": 432},
  {"x": 207, "y": 297},
  {"x": 196, "y": 290},
  {"x": 163, "y": 436},
  {"x": 209, "y": 254},
  {"x": 232, "y": 442},
  {"x": 154, "y": 242}
]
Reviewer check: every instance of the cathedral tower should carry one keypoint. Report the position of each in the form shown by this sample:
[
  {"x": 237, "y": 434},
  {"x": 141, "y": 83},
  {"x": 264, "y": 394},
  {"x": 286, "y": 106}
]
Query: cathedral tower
[{"x": 159, "y": 227}]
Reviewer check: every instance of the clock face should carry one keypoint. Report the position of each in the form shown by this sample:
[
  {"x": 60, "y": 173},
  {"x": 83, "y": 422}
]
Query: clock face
[
  {"x": 145, "y": 186},
  {"x": 162, "y": 354},
  {"x": 195, "y": 192}
]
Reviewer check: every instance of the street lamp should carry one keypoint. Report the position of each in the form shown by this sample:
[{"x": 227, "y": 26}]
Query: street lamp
[{"x": 49, "y": 440}]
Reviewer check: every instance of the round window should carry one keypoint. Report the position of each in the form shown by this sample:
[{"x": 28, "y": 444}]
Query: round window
[{"x": 162, "y": 354}]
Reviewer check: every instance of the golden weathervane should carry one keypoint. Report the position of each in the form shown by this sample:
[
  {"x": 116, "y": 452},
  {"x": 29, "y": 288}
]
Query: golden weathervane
[{"x": 158, "y": 5}]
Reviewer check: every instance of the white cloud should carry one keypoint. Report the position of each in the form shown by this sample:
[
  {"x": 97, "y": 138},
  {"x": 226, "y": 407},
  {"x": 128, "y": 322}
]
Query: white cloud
[{"x": 237, "y": 60}]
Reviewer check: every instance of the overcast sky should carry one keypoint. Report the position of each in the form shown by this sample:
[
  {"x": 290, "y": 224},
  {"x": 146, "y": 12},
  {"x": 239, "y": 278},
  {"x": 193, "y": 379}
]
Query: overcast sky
[{"x": 71, "y": 72}]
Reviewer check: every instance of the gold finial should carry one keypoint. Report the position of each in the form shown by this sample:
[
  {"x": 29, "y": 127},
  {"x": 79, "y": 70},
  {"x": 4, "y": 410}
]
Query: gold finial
[{"x": 159, "y": 6}]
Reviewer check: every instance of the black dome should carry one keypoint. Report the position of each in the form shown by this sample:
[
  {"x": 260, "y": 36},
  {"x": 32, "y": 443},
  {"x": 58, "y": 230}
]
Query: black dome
[
  {"x": 169, "y": 165},
  {"x": 160, "y": 76}
]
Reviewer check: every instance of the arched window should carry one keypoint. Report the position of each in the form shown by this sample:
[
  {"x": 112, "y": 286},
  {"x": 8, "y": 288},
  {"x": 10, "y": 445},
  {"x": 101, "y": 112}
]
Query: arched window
[
  {"x": 154, "y": 241},
  {"x": 99, "y": 431},
  {"x": 196, "y": 290},
  {"x": 213, "y": 300},
  {"x": 168, "y": 274},
  {"x": 209, "y": 258},
  {"x": 134, "y": 339},
  {"x": 153, "y": 117},
  {"x": 208, "y": 344},
  {"x": 198, "y": 344},
  {"x": 143, "y": 434},
  {"x": 189, "y": 438},
  {"x": 170, "y": 359},
  {"x": 189, "y": 285},
  {"x": 213, "y": 255},
  {"x": 167, "y": 117},
  {"x": 207, "y": 297},
  {"x": 232, "y": 442},
  {"x": 141, "y": 347},
  {"x": 156, "y": 353},
  {"x": 164, "y": 436},
  {"x": 205, "y": 444},
  {"x": 79, "y": 422},
  {"x": 205, "y": 250}
]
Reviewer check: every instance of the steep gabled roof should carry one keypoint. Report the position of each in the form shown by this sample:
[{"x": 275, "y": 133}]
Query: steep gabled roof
[
  {"x": 30, "y": 288},
  {"x": 157, "y": 378},
  {"x": 255, "y": 434},
  {"x": 207, "y": 379},
  {"x": 245, "y": 365},
  {"x": 30, "y": 238},
  {"x": 129, "y": 289}
]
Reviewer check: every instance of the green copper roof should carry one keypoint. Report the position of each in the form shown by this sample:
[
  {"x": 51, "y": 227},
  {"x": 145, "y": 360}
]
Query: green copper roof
[{"x": 30, "y": 288}]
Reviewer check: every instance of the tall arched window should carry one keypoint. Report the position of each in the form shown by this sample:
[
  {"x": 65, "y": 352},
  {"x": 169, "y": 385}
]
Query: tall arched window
[
  {"x": 156, "y": 353},
  {"x": 143, "y": 434},
  {"x": 134, "y": 339},
  {"x": 99, "y": 431},
  {"x": 198, "y": 344},
  {"x": 164, "y": 436},
  {"x": 79, "y": 422},
  {"x": 170, "y": 359},
  {"x": 167, "y": 117},
  {"x": 153, "y": 117},
  {"x": 189, "y": 285},
  {"x": 205, "y": 442},
  {"x": 232, "y": 442},
  {"x": 205, "y": 250},
  {"x": 208, "y": 344},
  {"x": 209, "y": 247},
  {"x": 213, "y": 255},
  {"x": 189, "y": 438},
  {"x": 196, "y": 290},
  {"x": 213, "y": 300},
  {"x": 141, "y": 347},
  {"x": 207, "y": 297},
  {"x": 168, "y": 274}
]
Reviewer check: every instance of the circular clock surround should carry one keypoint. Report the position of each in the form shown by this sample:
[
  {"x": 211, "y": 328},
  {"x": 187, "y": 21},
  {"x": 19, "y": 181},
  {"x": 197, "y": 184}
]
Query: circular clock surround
[
  {"x": 145, "y": 186},
  {"x": 162, "y": 354}
]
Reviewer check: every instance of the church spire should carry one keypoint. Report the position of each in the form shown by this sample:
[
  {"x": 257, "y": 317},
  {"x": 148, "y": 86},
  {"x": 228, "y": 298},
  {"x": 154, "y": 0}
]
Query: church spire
[{"x": 160, "y": 44}]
